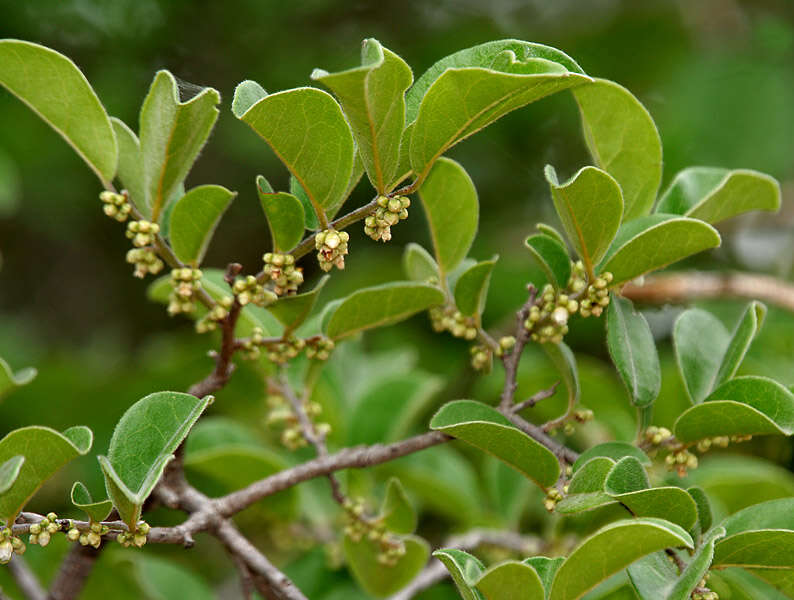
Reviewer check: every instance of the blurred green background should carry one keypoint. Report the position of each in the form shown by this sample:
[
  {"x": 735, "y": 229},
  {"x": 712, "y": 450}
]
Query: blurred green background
[{"x": 717, "y": 76}]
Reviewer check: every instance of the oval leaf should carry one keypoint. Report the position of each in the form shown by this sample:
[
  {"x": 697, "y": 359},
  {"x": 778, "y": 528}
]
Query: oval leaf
[
  {"x": 45, "y": 451},
  {"x": 511, "y": 580},
  {"x": 624, "y": 141},
  {"x": 285, "y": 215},
  {"x": 471, "y": 289},
  {"x": 96, "y": 511},
  {"x": 380, "y": 580},
  {"x": 552, "y": 256},
  {"x": 654, "y": 241},
  {"x": 55, "y": 89},
  {"x": 591, "y": 476},
  {"x": 380, "y": 306},
  {"x": 291, "y": 311},
  {"x": 194, "y": 219},
  {"x": 633, "y": 351},
  {"x": 485, "y": 428},
  {"x": 10, "y": 380},
  {"x": 464, "y": 569},
  {"x": 9, "y": 471},
  {"x": 613, "y": 450},
  {"x": 700, "y": 341},
  {"x": 713, "y": 195},
  {"x": 307, "y": 131},
  {"x": 418, "y": 264},
  {"x": 130, "y": 167},
  {"x": 762, "y": 549}
]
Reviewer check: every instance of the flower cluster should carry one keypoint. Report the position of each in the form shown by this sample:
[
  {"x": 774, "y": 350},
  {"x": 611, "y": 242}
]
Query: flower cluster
[
  {"x": 481, "y": 357},
  {"x": 249, "y": 290},
  {"x": 92, "y": 537},
  {"x": 185, "y": 282},
  {"x": 359, "y": 526},
  {"x": 390, "y": 211},
  {"x": 218, "y": 313},
  {"x": 116, "y": 206},
  {"x": 548, "y": 317},
  {"x": 319, "y": 348},
  {"x": 143, "y": 235},
  {"x": 331, "y": 248},
  {"x": 449, "y": 318},
  {"x": 281, "y": 270},
  {"x": 135, "y": 538},
  {"x": 41, "y": 532},
  {"x": 9, "y": 545},
  {"x": 281, "y": 414}
]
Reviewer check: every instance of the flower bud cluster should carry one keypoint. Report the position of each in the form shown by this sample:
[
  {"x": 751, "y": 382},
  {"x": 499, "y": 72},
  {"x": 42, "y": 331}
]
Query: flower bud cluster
[
  {"x": 389, "y": 212},
  {"x": 281, "y": 414},
  {"x": 548, "y": 317},
  {"x": 506, "y": 344},
  {"x": 248, "y": 290},
  {"x": 721, "y": 441},
  {"x": 41, "y": 532},
  {"x": 142, "y": 233},
  {"x": 285, "y": 350},
  {"x": 135, "y": 538},
  {"x": 656, "y": 436},
  {"x": 449, "y": 318},
  {"x": 553, "y": 496},
  {"x": 596, "y": 297},
  {"x": 281, "y": 270},
  {"x": 319, "y": 348},
  {"x": 9, "y": 545},
  {"x": 218, "y": 313},
  {"x": 708, "y": 595},
  {"x": 185, "y": 283},
  {"x": 331, "y": 248},
  {"x": 680, "y": 460},
  {"x": 145, "y": 261},
  {"x": 358, "y": 526},
  {"x": 116, "y": 206},
  {"x": 92, "y": 537},
  {"x": 481, "y": 357}
]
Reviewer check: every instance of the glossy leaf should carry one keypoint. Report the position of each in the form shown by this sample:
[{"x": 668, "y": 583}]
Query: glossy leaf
[
  {"x": 654, "y": 241},
  {"x": 418, "y": 264},
  {"x": 450, "y": 202},
  {"x": 464, "y": 569},
  {"x": 130, "y": 167},
  {"x": 471, "y": 289},
  {"x": 377, "y": 579},
  {"x": 624, "y": 141},
  {"x": 97, "y": 511},
  {"x": 142, "y": 444},
  {"x": 633, "y": 351},
  {"x": 611, "y": 549},
  {"x": 194, "y": 219},
  {"x": 56, "y": 90},
  {"x": 10, "y": 380},
  {"x": 590, "y": 207},
  {"x": 45, "y": 451},
  {"x": 285, "y": 216},
  {"x": 172, "y": 134},
  {"x": 396, "y": 511},
  {"x": 307, "y": 131},
  {"x": 485, "y": 428},
  {"x": 291, "y": 311},
  {"x": 380, "y": 306},
  {"x": 373, "y": 98},
  {"x": 613, "y": 450},
  {"x": 511, "y": 580},
  {"x": 9, "y": 471},
  {"x": 713, "y": 194},
  {"x": 552, "y": 257},
  {"x": 741, "y": 406}
]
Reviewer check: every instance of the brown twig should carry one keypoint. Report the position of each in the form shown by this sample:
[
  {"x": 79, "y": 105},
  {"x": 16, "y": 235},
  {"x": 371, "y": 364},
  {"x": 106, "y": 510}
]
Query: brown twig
[
  {"x": 535, "y": 398},
  {"x": 512, "y": 359},
  {"x": 73, "y": 572}
]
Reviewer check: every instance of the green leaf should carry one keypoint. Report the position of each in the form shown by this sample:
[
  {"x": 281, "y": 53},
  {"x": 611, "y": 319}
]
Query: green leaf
[
  {"x": 471, "y": 289},
  {"x": 309, "y": 214},
  {"x": 143, "y": 443},
  {"x": 9, "y": 471},
  {"x": 130, "y": 167},
  {"x": 613, "y": 450},
  {"x": 628, "y": 475},
  {"x": 591, "y": 476},
  {"x": 464, "y": 100},
  {"x": 291, "y": 311},
  {"x": 464, "y": 569},
  {"x": 774, "y": 514},
  {"x": 551, "y": 232},
  {"x": 511, "y": 580},
  {"x": 172, "y": 134},
  {"x": 45, "y": 451},
  {"x": 246, "y": 94},
  {"x": 380, "y": 306},
  {"x": 159, "y": 578},
  {"x": 194, "y": 219},
  {"x": 377, "y": 579},
  {"x": 485, "y": 428},
  {"x": 307, "y": 131},
  {"x": 82, "y": 499},
  {"x": 576, "y": 503},
  {"x": 633, "y": 351},
  {"x": 624, "y": 141},
  {"x": 747, "y": 329},
  {"x": 10, "y": 380},
  {"x": 590, "y": 207},
  {"x": 418, "y": 264},
  {"x": 56, "y": 90},
  {"x": 450, "y": 202},
  {"x": 713, "y": 195},
  {"x": 705, "y": 517},
  {"x": 546, "y": 568},
  {"x": 762, "y": 549},
  {"x": 654, "y": 241},
  {"x": 286, "y": 217},
  {"x": 565, "y": 363},
  {"x": 611, "y": 549},
  {"x": 373, "y": 98},
  {"x": 396, "y": 511},
  {"x": 742, "y": 406},
  {"x": 552, "y": 257}
]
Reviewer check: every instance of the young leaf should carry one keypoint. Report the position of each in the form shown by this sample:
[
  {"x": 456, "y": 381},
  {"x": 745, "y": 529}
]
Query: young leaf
[
  {"x": 373, "y": 98},
  {"x": 380, "y": 306},
  {"x": 285, "y": 215},
  {"x": 511, "y": 580},
  {"x": 464, "y": 569},
  {"x": 611, "y": 549},
  {"x": 418, "y": 264},
  {"x": 142, "y": 444},
  {"x": 130, "y": 167},
  {"x": 96, "y": 511},
  {"x": 450, "y": 202},
  {"x": 633, "y": 351},
  {"x": 590, "y": 206},
  {"x": 55, "y": 89},
  {"x": 397, "y": 513},
  {"x": 45, "y": 451},
  {"x": 9, "y": 471},
  {"x": 291, "y": 311},
  {"x": 471, "y": 289},
  {"x": 624, "y": 141},
  {"x": 713, "y": 195},
  {"x": 194, "y": 219},
  {"x": 380, "y": 580},
  {"x": 246, "y": 94},
  {"x": 613, "y": 450},
  {"x": 172, "y": 134},
  {"x": 307, "y": 131},
  {"x": 591, "y": 476},
  {"x": 10, "y": 380},
  {"x": 628, "y": 475},
  {"x": 485, "y": 428},
  {"x": 654, "y": 241},
  {"x": 742, "y": 406},
  {"x": 552, "y": 256},
  {"x": 748, "y": 327}
]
